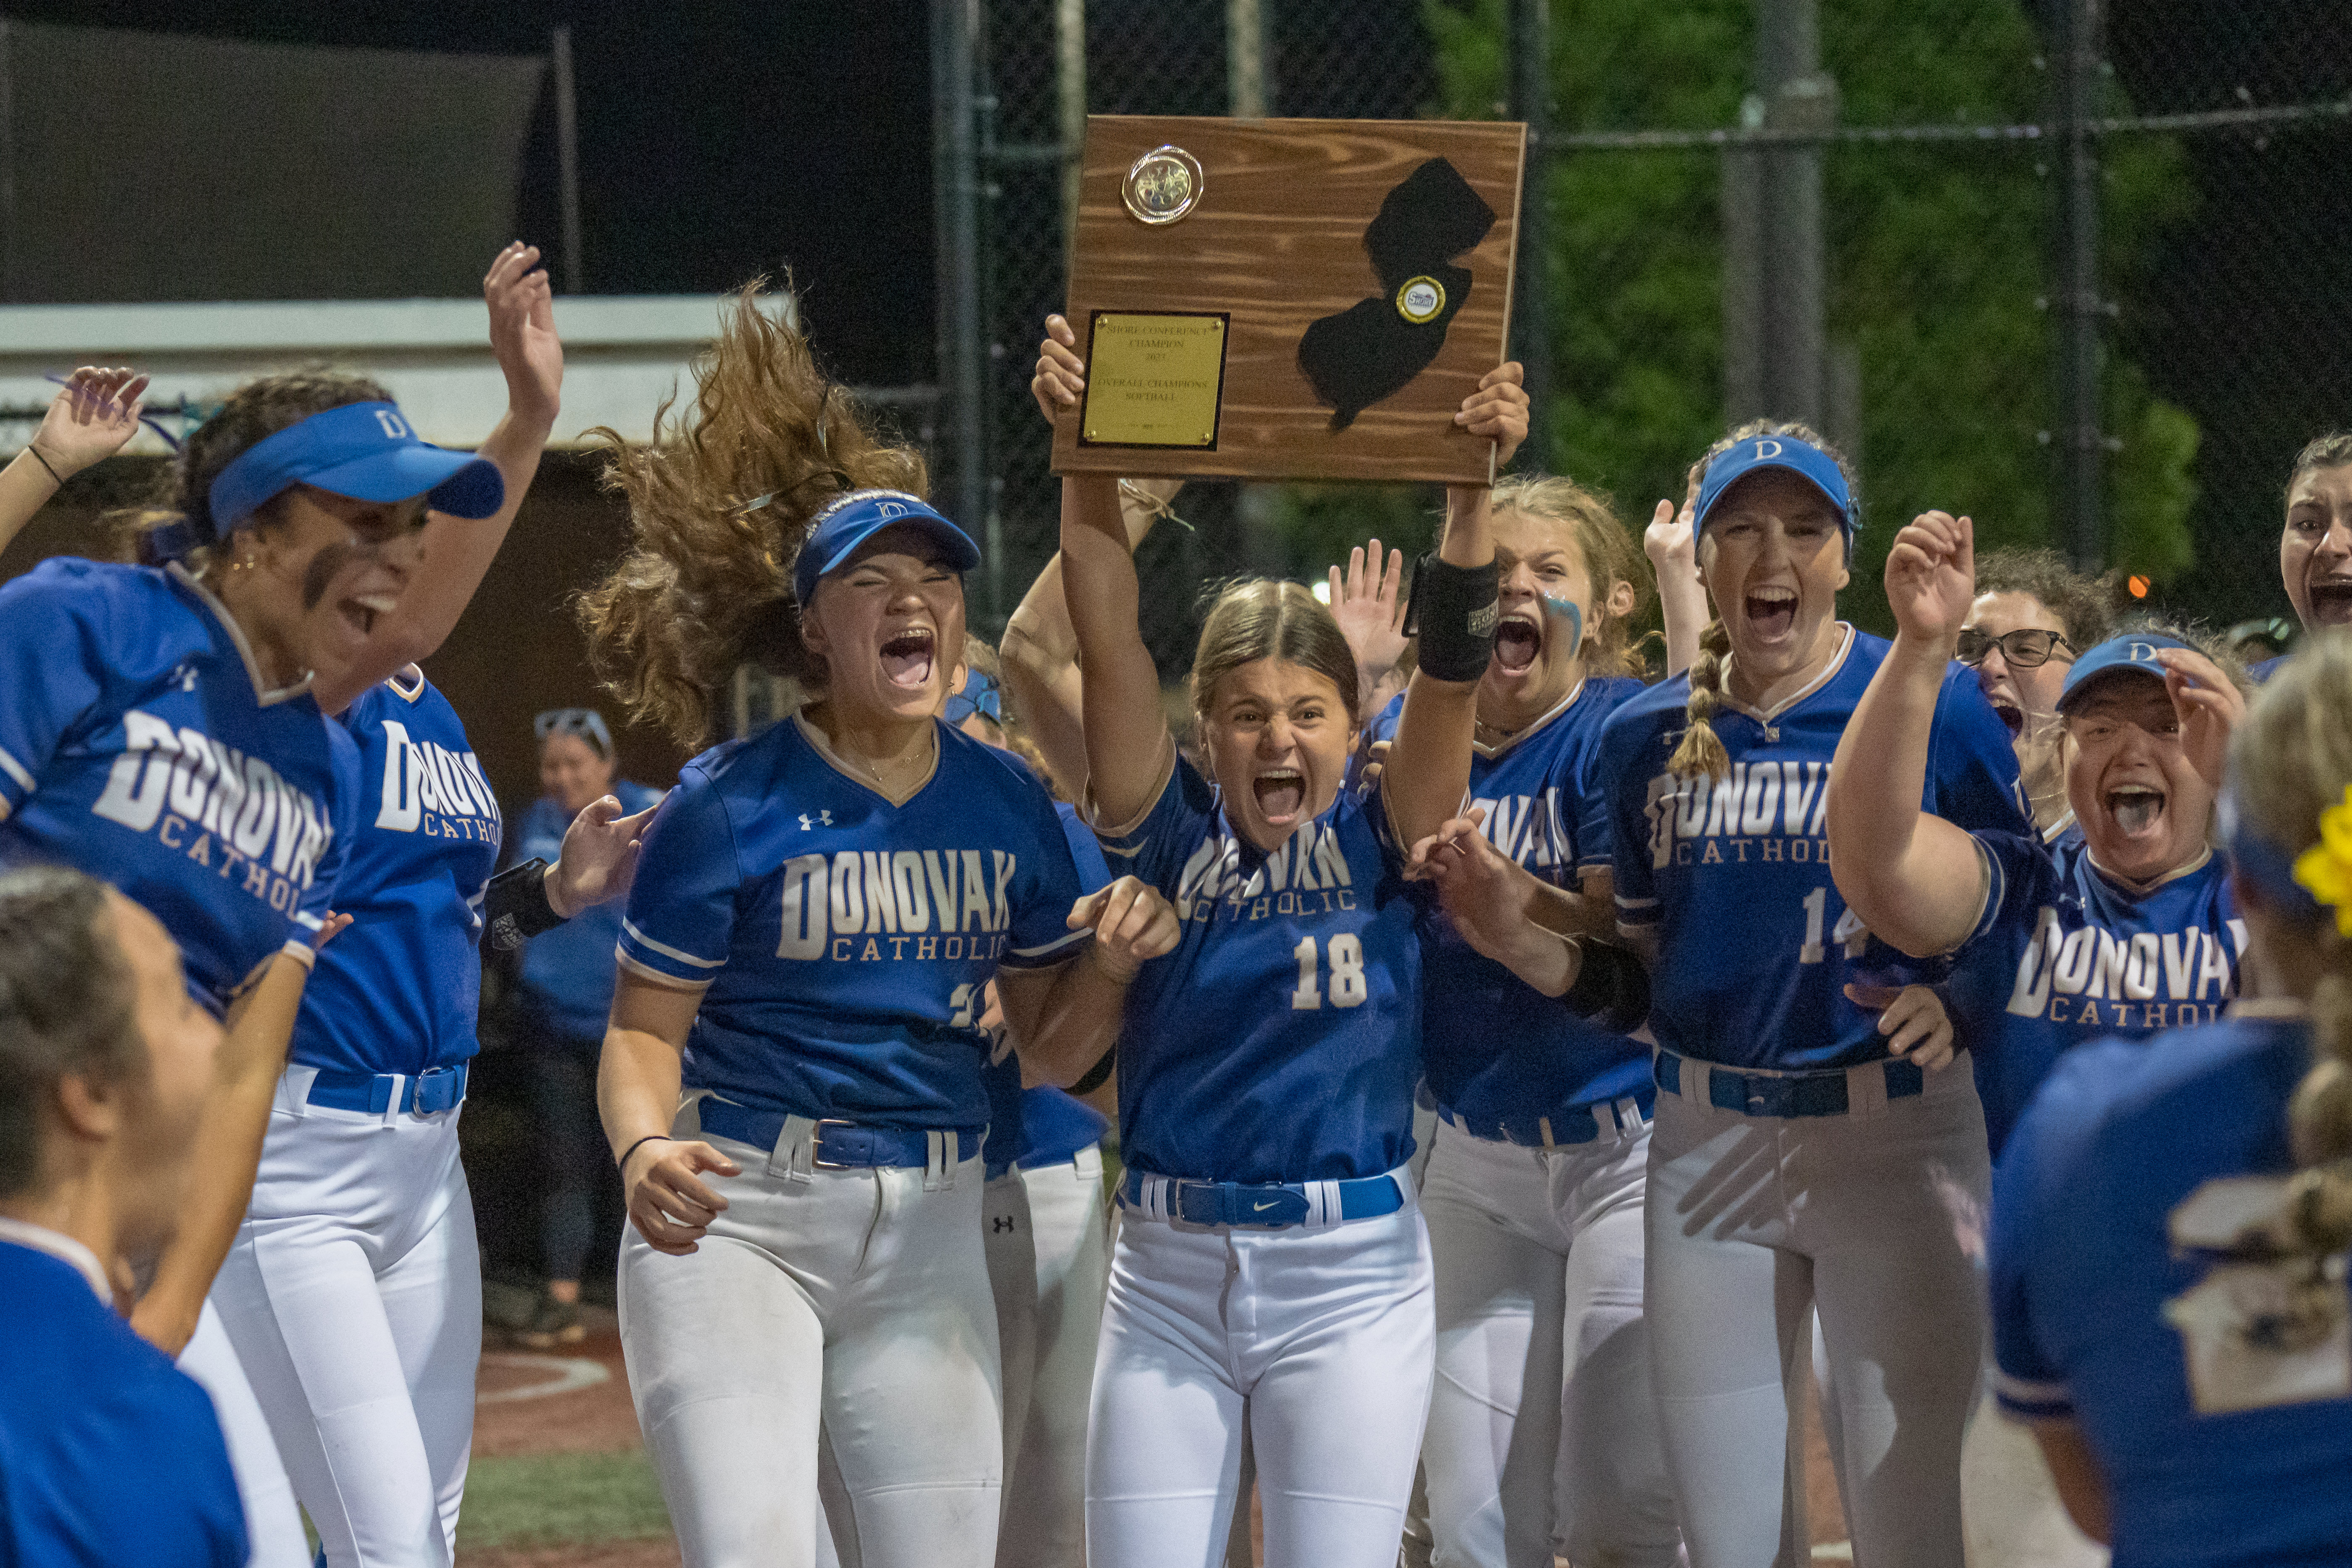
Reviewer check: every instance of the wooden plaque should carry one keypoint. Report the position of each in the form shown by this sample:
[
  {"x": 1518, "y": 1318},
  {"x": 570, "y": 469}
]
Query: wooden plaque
[{"x": 1207, "y": 250}]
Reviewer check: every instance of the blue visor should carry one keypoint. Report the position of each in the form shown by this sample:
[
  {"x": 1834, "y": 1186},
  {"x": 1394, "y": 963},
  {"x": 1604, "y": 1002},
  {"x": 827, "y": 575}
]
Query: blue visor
[
  {"x": 364, "y": 450},
  {"x": 850, "y": 522},
  {"x": 1799, "y": 457},
  {"x": 2133, "y": 651}
]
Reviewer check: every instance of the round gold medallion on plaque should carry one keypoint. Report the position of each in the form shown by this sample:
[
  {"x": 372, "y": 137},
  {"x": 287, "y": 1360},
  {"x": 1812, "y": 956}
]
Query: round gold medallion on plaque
[
  {"x": 1162, "y": 186},
  {"x": 1420, "y": 301}
]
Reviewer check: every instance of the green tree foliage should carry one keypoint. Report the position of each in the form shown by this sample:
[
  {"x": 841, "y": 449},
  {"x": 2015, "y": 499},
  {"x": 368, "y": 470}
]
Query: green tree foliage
[{"x": 1937, "y": 256}]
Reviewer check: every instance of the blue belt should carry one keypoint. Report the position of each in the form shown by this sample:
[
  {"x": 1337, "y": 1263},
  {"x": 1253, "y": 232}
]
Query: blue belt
[
  {"x": 426, "y": 1093},
  {"x": 1271, "y": 1206},
  {"x": 1788, "y": 1094},
  {"x": 834, "y": 1145},
  {"x": 1577, "y": 1124}
]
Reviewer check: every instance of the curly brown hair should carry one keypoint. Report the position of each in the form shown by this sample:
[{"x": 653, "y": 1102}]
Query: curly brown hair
[
  {"x": 2083, "y": 605},
  {"x": 260, "y": 408},
  {"x": 719, "y": 504}
]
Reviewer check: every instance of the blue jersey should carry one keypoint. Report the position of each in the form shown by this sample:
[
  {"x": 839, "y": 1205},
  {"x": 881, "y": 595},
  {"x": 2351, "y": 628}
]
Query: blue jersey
[
  {"x": 401, "y": 990},
  {"x": 1280, "y": 1041},
  {"x": 1493, "y": 1047},
  {"x": 2115, "y": 1301},
  {"x": 108, "y": 1452},
  {"x": 568, "y": 971},
  {"x": 846, "y": 940},
  {"x": 2061, "y": 955},
  {"x": 1756, "y": 948},
  {"x": 1052, "y": 1134},
  {"x": 137, "y": 744}
]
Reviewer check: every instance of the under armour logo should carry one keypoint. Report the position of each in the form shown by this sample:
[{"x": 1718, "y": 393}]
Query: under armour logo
[
  {"x": 824, "y": 819},
  {"x": 184, "y": 676},
  {"x": 1001, "y": 1224}
]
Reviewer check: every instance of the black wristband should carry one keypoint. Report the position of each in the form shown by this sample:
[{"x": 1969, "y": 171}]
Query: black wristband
[
  {"x": 623, "y": 1163},
  {"x": 515, "y": 905},
  {"x": 1453, "y": 613},
  {"x": 54, "y": 477},
  {"x": 1612, "y": 988},
  {"x": 1097, "y": 1075}
]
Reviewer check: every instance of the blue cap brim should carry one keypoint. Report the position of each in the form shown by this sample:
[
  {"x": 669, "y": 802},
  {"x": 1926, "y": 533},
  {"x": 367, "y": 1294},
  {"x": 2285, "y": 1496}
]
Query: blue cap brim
[
  {"x": 1788, "y": 455},
  {"x": 2130, "y": 654},
  {"x": 458, "y": 483},
  {"x": 963, "y": 554}
]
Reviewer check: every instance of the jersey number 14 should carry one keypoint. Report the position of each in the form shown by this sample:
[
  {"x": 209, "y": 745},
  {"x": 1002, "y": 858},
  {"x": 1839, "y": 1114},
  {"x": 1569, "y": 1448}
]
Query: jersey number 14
[
  {"x": 1346, "y": 974},
  {"x": 1849, "y": 931}
]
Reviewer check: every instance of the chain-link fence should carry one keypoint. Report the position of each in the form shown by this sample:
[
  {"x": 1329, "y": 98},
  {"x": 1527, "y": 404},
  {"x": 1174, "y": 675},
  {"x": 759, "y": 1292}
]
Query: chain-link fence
[{"x": 1956, "y": 350}]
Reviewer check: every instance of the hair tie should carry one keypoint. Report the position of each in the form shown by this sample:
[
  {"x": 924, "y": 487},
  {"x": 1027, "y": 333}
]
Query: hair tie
[{"x": 2324, "y": 871}]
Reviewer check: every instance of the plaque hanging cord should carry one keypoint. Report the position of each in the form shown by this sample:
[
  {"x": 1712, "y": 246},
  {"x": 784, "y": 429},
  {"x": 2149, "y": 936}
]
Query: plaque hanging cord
[{"x": 1161, "y": 506}]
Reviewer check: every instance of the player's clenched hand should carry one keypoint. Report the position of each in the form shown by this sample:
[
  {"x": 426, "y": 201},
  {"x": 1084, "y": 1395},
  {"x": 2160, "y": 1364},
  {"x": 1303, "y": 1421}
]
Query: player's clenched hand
[
  {"x": 1061, "y": 374},
  {"x": 1479, "y": 887},
  {"x": 1931, "y": 576},
  {"x": 1498, "y": 409},
  {"x": 599, "y": 859},
  {"x": 1914, "y": 1020},
  {"x": 668, "y": 1201},
  {"x": 1132, "y": 925}
]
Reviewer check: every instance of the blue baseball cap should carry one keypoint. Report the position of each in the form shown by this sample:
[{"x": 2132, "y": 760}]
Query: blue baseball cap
[
  {"x": 1757, "y": 452},
  {"x": 364, "y": 450},
  {"x": 2133, "y": 651},
  {"x": 836, "y": 534}
]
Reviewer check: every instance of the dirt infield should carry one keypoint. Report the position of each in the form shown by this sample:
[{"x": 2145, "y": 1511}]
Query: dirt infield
[{"x": 560, "y": 1476}]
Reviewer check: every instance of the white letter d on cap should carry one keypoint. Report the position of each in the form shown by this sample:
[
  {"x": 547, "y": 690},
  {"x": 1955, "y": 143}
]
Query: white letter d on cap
[
  {"x": 392, "y": 424},
  {"x": 1766, "y": 447},
  {"x": 2141, "y": 652}
]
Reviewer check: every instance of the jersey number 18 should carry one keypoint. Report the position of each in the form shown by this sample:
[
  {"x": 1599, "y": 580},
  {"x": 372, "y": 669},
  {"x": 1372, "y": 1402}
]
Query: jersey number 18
[{"x": 1346, "y": 974}]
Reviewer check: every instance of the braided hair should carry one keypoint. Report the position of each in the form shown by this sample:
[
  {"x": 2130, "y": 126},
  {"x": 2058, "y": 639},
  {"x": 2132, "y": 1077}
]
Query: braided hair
[{"x": 2292, "y": 759}]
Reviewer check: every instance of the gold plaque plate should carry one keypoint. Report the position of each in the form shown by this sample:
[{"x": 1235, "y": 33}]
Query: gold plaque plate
[
  {"x": 1154, "y": 379},
  {"x": 1161, "y": 185}
]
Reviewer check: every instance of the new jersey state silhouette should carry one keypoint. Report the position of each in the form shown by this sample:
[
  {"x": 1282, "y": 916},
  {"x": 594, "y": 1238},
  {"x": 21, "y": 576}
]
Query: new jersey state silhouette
[{"x": 1369, "y": 350}]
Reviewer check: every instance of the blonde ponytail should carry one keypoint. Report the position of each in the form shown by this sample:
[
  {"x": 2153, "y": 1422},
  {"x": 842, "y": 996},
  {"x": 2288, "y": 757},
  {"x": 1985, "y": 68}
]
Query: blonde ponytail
[{"x": 1701, "y": 751}]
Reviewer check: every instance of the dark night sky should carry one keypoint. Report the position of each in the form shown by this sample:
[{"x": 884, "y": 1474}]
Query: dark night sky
[{"x": 716, "y": 141}]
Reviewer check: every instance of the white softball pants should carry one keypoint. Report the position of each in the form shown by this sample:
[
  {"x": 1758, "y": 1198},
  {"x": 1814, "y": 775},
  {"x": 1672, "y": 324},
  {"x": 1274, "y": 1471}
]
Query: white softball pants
[
  {"x": 1543, "y": 1427},
  {"x": 1045, "y": 1491},
  {"x": 354, "y": 1297},
  {"x": 1874, "y": 1219},
  {"x": 1322, "y": 1340},
  {"x": 858, "y": 1300},
  {"x": 273, "y": 1523},
  {"x": 1012, "y": 1250}
]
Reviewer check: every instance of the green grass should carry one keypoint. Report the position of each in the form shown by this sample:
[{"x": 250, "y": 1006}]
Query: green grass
[{"x": 543, "y": 1499}]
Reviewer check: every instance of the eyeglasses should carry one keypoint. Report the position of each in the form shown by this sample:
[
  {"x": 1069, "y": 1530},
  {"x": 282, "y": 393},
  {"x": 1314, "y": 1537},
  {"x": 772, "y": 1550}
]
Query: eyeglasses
[
  {"x": 2025, "y": 649},
  {"x": 584, "y": 723},
  {"x": 979, "y": 695}
]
